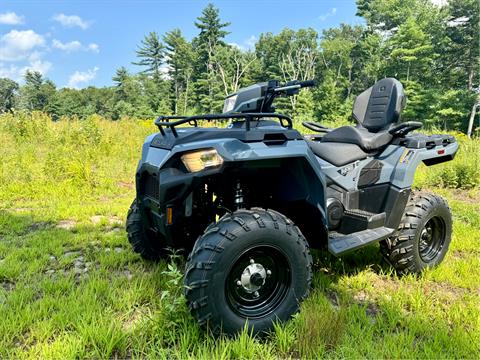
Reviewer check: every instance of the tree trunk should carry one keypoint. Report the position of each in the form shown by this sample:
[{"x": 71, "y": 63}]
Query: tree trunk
[
  {"x": 176, "y": 98},
  {"x": 349, "y": 88},
  {"x": 186, "y": 97},
  {"x": 475, "y": 108},
  {"x": 471, "y": 74}
]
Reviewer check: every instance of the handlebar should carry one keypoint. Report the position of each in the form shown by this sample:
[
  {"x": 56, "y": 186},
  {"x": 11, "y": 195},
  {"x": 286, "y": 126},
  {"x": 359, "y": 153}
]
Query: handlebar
[
  {"x": 274, "y": 89},
  {"x": 294, "y": 86},
  {"x": 404, "y": 128},
  {"x": 307, "y": 83}
]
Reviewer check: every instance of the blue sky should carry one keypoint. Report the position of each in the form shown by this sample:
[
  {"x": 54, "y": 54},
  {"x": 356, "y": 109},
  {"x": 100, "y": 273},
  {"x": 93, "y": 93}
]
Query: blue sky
[{"x": 81, "y": 43}]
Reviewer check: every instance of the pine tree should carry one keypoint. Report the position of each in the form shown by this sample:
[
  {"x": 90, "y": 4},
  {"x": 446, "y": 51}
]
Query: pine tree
[
  {"x": 8, "y": 95},
  {"x": 151, "y": 54},
  {"x": 211, "y": 32},
  {"x": 463, "y": 31},
  {"x": 411, "y": 50},
  {"x": 208, "y": 86},
  {"x": 180, "y": 67},
  {"x": 120, "y": 78}
]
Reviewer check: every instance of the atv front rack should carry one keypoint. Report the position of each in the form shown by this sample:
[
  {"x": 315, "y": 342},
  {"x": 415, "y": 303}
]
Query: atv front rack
[{"x": 164, "y": 121}]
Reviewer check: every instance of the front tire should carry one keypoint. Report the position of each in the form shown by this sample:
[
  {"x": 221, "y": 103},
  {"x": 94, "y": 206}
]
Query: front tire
[
  {"x": 142, "y": 240},
  {"x": 423, "y": 236},
  {"x": 252, "y": 265}
]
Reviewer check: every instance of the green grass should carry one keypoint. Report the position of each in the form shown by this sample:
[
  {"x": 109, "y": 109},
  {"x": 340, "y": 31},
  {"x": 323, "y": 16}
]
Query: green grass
[{"x": 70, "y": 287}]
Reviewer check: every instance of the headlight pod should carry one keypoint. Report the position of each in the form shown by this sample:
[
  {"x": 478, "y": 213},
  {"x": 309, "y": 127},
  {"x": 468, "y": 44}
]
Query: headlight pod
[
  {"x": 201, "y": 160},
  {"x": 229, "y": 103}
]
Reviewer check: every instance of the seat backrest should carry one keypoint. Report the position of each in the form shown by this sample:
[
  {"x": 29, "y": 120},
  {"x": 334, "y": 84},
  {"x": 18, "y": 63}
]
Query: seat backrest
[{"x": 380, "y": 106}]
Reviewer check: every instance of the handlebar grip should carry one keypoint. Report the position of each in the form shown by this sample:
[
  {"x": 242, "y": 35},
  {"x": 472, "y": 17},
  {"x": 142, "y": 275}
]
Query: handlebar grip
[{"x": 307, "y": 83}]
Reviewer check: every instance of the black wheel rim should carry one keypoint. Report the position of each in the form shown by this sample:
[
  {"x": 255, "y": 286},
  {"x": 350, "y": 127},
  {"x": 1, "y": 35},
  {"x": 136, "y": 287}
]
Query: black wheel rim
[
  {"x": 266, "y": 288},
  {"x": 432, "y": 239}
]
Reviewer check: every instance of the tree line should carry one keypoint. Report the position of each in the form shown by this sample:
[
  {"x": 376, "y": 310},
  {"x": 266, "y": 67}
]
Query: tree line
[{"x": 433, "y": 50}]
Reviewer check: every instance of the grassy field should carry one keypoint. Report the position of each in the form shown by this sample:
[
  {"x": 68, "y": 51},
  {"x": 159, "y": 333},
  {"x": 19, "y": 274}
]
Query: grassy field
[{"x": 70, "y": 287}]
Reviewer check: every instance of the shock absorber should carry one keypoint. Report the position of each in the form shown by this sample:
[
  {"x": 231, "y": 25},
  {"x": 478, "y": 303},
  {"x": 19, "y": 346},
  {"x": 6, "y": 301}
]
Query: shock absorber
[{"x": 238, "y": 196}]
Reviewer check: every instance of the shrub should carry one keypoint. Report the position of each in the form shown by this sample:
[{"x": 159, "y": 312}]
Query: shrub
[{"x": 461, "y": 173}]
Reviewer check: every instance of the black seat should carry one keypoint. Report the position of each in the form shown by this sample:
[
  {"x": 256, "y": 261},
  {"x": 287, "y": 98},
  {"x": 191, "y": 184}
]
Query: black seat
[
  {"x": 338, "y": 154},
  {"x": 376, "y": 110}
]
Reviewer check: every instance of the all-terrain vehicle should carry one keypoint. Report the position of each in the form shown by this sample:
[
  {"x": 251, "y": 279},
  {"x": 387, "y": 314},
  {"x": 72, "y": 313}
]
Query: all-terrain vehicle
[{"x": 248, "y": 200}]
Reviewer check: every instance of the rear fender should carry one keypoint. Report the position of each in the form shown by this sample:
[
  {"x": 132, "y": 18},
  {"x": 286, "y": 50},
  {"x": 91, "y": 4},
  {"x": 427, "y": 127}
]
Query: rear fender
[{"x": 410, "y": 158}]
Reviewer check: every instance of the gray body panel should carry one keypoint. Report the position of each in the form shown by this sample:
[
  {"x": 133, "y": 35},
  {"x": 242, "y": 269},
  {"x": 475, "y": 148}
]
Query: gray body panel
[{"x": 397, "y": 165}]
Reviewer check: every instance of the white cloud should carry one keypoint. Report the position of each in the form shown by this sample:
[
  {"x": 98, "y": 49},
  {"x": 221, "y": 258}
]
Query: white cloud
[
  {"x": 18, "y": 45},
  {"x": 74, "y": 45},
  {"x": 17, "y": 73},
  {"x": 247, "y": 44},
  {"x": 10, "y": 71},
  {"x": 37, "y": 65},
  {"x": 331, "y": 13},
  {"x": 236, "y": 45},
  {"x": 79, "y": 78},
  {"x": 93, "y": 48},
  {"x": 24, "y": 47},
  {"x": 71, "y": 21},
  {"x": 67, "y": 47},
  {"x": 251, "y": 41},
  {"x": 10, "y": 18}
]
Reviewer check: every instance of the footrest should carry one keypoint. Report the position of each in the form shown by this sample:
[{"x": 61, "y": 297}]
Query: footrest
[
  {"x": 356, "y": 220},
  {"x": 339, "y": 244}
]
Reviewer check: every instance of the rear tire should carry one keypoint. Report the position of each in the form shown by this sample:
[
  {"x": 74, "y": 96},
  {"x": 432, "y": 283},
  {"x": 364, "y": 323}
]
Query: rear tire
[
  {"x": 252, "y": 265},
  {"x": 423, "y": 235},
  {"x": 143, "y": 243}
]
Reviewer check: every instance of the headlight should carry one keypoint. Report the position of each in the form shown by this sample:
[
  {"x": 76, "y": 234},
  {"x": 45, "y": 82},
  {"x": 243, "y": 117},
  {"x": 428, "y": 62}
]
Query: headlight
[
  {"x": 202, "y": 159},
  {"x": 229, "y": 103}
]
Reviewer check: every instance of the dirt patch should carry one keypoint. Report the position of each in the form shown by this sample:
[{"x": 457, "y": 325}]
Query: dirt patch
[
  {"x": 7, "y": 285},
  {"x": 104, "y": 199},
  {"x": 112, "y": 221},
  {"x": 442, "y": 290},
  {"x": 470, "y": 197},
  {"x": 332, "y": 296},
  {"x": 97, "y": 219},
  {"x": 37, "y": 226},
  {"x": 23, "y": 209},
  {"x": 126, "y": 185},
  {"x": 125, "y": 272},
  {"x": 77, "y": 264},
  {"x": 134, "y": 318},
  {"x": 115, "y": 221},
  {"x": 445, "y": 289},
  {"x": 464, "y": 254},
  {"x": 371, "y": 307},
  {"x": 71, "y": 253},
  {"x": 66, "y": 224}
]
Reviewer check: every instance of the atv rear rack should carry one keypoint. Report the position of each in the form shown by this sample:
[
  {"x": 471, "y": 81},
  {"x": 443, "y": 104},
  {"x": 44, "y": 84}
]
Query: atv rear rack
[{"x": 164, "y": 121}]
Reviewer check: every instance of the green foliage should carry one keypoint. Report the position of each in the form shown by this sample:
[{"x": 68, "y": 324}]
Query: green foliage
[
  {"x": 37, "y": 92},
  {"x": 411, "y": 51},
  {"x": 151, "y": 55},
  {"x": 463, "y": 173},
  {"x": 433, "y": 50},
  {"x": 208, "y": 88},
  {"x": 180, "y": 61},
  {"x": 8, "y": 95}
]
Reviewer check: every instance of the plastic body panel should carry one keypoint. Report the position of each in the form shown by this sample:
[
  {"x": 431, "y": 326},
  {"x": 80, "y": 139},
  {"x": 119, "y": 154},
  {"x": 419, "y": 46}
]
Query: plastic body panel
[
  {"x": 378, "y": 184},
  {"x": 175, "y": 185}
]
